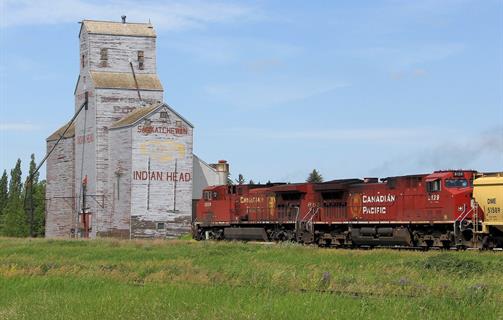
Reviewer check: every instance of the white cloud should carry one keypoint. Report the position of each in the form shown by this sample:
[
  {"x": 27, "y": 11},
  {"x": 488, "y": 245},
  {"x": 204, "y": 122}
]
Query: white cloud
[
  {"x": 406, "y": 57},
  {"x": 16, "y": 127},
  {"x": 270, "y": 92},
  {"x": 382, "y": 135},
  {"x": 166, "y": 15},
  {"x": 225, "y": 50}
]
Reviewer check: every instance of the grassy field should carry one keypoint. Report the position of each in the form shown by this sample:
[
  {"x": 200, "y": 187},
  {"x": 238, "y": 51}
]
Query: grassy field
[{"x": 112, "y": 279}]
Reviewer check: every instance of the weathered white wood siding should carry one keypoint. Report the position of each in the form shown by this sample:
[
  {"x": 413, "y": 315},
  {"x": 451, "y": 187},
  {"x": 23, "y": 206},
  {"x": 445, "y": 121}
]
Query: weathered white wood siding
[
  {"x": 85, "y": 150},
  {"x": 161, "y": 186},
  {"x": 60, "y": 205},
  {"x": 112, "y": 105},
  {"x": 120, "y": 50},
  {"x": 119, "y": 185},
  {"x": 106, "y": 106}
]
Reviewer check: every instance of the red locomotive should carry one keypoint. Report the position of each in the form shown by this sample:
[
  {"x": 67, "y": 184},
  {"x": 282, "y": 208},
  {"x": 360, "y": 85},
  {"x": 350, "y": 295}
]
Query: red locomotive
[{"x": 424, "y": 210}]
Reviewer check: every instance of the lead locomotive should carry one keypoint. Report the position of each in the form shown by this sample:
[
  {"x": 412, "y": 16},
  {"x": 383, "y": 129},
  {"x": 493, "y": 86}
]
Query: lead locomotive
[{"x": 424, "y": 210}]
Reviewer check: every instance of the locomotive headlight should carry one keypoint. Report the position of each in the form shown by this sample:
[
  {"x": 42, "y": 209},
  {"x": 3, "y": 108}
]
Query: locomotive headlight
[{"x": 461, "y": 208}]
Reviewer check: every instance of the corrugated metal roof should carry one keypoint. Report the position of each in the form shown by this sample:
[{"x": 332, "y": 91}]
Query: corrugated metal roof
[
  {"x": 125, "y": 80},
  {"x": 119, "y": 28},
  {"x": 141, "y": 113},
  {"x": 70, "y": 133}
]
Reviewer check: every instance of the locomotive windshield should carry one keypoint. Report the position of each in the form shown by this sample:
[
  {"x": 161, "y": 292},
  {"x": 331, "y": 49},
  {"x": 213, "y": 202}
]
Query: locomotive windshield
[{"x": 456, "y": 183}]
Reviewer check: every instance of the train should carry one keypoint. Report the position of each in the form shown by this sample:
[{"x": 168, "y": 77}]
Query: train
[{"x": 443, "y": 209}]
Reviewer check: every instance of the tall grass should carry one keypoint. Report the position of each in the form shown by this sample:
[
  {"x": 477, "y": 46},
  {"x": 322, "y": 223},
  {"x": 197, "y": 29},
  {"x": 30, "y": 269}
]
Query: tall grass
[{"x": 112, "y": 279}]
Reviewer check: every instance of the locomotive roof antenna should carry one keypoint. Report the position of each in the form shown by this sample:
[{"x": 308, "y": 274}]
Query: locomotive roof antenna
[{"x": 29, "y": 179}]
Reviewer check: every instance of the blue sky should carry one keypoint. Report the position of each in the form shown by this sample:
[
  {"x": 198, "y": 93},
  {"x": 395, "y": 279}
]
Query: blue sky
[{"x": 277, "y": 88}]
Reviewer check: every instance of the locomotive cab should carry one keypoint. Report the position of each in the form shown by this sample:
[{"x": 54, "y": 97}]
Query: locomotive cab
[{"x": 449, "y": 195}]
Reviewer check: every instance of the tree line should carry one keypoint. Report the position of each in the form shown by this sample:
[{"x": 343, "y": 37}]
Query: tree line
[
  {"x": 313, "y": 177},
  {"x": 22, "y": 205}
]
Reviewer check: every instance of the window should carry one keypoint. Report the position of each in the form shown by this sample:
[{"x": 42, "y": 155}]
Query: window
[
  {"x": 82, "y": 63},
  {"x": 103, "y": 57},
  {"x": 161, "y": 226},
  {"x": 391, "y": 183},
  {"x": 332, "y": 195},
  {"x": 141, "y": 60},
  {"x": 456, "y": 183},
  {"x": 413, "y": 182},
  {"x": 163, "y": 115},
  {"x": 207, "y": 195},
  {"x": 291, "y": 196},
  {"x": 231, "y": 189},
  {"x": 433, "y": 186}
]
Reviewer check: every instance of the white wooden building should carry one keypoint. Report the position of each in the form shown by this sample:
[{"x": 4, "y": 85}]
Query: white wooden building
[{"x": 133, "y": 151}]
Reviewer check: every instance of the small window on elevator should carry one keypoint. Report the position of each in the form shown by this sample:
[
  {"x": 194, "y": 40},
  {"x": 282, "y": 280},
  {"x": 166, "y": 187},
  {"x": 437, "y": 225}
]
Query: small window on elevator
[
  {"x": 141, "y": 60},
  {"x": 104, "y": 57}
]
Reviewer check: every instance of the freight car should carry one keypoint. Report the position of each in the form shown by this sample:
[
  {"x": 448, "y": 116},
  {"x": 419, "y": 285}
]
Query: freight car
[
  {"x": 424, "y": 210},
  {"x": 488, "y": 194}
]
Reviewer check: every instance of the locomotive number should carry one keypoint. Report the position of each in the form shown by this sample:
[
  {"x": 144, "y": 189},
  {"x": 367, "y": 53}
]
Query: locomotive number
[
  {"x": 433, "y": 197},
  {"x": 313, "y": 205}
]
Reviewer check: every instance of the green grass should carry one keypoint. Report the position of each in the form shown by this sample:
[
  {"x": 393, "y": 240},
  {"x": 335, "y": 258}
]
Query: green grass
[{"x": 180, "y": 279}]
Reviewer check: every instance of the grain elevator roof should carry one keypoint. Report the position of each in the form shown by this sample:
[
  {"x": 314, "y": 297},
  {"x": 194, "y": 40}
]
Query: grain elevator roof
[
  {"x": 69, "y": 133},
  {"x": 118, "y": 28},
  {"x": 140, "y": 113},
  {"x": 125, "y": 80}
]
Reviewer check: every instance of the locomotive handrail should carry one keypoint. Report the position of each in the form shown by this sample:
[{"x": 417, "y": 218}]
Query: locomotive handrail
[
  {"x": 464, "y": 214},
  {"x": 460, "y": 219}
]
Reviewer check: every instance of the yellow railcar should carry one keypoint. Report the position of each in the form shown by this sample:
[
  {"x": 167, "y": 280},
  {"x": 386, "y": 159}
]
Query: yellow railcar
[{"x": 488, "y": 193}]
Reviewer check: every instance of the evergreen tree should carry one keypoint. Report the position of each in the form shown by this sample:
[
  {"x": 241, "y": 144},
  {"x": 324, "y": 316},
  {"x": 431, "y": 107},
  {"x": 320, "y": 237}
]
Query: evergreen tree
[
  {"x": 3, "y": 190},
  {"x": 33, "y": 166},
  {"x": 3, "y": 197},
  {"x": 15, "y": 223},
  {"x": 314, "y": 177},
  {"x": 35, "y": 192},
  {"x": 251, "y": 182},
  {"x": 39, "y": 209},
  {"x": 15, "y": 185}
]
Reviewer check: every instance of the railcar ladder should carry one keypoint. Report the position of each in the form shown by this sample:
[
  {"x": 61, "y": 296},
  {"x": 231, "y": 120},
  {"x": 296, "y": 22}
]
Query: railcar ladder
[{"x": 306, "y": 223}]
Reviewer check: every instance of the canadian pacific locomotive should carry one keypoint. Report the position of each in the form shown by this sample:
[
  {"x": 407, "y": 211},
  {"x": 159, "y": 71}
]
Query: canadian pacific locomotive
[{"x": 424, "y": 210}]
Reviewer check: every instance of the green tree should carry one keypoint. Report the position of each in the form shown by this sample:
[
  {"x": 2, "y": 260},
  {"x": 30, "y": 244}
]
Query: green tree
[
  {"x": 15, "y": 185},
  {"x": 15, "y": 223},
  {"x": 314, "y": 177},
  {"x": 39, "y": 209},
  {"x": 3, "y": 197},
  {"x": 33, "y": 167},
  {"x": 240, "y": 180},
  {"x": 251, "y": 182},
  {"x": 35, "y": 199}
]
